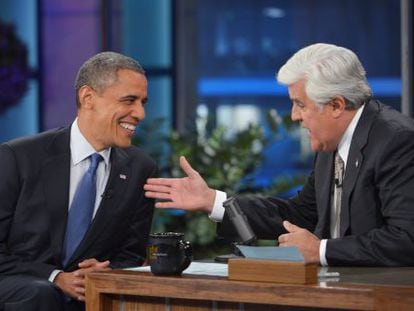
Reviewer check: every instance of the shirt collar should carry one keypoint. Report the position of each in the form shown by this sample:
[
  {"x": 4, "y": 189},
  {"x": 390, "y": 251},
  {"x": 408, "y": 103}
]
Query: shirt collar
[
  {"x": 80, "y": 148},
  {"x": 345, "y": 143}
]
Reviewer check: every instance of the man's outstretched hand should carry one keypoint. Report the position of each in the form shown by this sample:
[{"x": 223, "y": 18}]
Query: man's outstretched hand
[{"x": 189, "y": 193}]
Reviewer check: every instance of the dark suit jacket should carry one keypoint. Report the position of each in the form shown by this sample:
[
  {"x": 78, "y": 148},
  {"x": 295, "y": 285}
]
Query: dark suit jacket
[
  {"x": 34, "y": 194},
  {"x": 377, "y": 209}
]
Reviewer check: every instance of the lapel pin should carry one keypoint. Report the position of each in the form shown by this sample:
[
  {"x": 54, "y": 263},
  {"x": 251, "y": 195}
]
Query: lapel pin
[
  {"x": 356, "y": 163},
  {"x": 122, "y": 176}
]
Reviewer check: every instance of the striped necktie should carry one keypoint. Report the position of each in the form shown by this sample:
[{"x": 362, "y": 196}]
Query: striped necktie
[{"x": 337, "y": 195}]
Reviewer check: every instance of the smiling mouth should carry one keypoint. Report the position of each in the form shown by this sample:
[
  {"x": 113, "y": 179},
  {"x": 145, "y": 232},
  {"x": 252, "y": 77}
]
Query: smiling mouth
[{"x": 129, "y": 127}]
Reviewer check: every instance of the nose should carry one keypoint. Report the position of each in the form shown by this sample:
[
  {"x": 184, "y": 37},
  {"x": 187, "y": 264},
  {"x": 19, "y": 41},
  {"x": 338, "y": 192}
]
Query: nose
[
  {"x": 295, "y": 113},
  {"x": 138, "y": 111}
]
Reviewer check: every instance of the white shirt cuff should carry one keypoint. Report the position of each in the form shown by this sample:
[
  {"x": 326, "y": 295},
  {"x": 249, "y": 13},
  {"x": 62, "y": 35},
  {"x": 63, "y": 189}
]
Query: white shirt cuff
[
  {"x": 53, "y": 275},
  {"x": 217, "y": 213},
  {"x": 322, "y": 253}
]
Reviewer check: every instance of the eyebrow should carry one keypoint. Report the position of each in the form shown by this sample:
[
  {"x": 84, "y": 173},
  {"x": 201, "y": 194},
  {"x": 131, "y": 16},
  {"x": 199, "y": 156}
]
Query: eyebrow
[{"x": 133, "y": 97}]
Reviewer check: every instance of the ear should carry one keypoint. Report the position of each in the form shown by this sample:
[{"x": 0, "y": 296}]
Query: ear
[
  {"x": 338, "y": 105},
  {"x": 86, "y": 94}
]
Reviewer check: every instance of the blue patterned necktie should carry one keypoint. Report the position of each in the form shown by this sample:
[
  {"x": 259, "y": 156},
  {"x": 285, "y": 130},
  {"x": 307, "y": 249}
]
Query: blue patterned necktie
[{"x": 81, "y": 210}]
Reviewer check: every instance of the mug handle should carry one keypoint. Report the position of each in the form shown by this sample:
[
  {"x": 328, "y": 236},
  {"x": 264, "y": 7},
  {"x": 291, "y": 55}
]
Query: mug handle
[{"x": 188, "y": 254}]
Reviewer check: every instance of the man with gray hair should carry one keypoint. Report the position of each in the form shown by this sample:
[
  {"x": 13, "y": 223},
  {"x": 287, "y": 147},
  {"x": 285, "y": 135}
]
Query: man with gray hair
[
  {"x": 72, "y": 199},
  {"x": 357, "y": 205}
]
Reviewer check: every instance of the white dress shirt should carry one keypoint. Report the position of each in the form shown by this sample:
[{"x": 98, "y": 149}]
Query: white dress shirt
[
  {"x": 343, "y": 150},
  {"x": 80, "y": 150},
  {"x": 217, "y": 213}
]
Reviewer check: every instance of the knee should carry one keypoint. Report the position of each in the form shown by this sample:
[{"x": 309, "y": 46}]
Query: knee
[
  {"x": 39, "y": 295},
  {"x": 45, "y": 289}
]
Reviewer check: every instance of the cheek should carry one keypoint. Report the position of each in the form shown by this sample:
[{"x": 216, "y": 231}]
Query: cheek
[
  {"x": 311, "y": 122},
  {"x": 315, "y": 122}
]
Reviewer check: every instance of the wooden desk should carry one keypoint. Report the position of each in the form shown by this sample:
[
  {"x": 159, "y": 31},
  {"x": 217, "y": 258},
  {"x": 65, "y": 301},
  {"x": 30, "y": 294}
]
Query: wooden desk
[{"x": 356, "y": 289}]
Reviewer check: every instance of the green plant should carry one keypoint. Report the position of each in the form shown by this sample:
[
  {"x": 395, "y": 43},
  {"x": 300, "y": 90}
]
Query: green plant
[{"x": 223, "y": 161}]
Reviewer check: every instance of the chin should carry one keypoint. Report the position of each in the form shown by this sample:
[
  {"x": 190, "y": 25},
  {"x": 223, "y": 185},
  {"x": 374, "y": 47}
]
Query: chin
[
  {"x": 124, "y": 144},
  {"x": 317, "y": 147}
]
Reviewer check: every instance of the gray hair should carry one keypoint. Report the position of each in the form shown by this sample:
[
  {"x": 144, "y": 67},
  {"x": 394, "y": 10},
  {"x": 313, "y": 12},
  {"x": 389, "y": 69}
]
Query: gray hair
[
  {"x": 329, "y": 71},
  {"x": 100, "y": 71}
]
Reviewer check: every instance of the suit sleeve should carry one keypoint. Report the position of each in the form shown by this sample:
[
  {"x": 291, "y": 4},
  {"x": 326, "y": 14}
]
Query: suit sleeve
[
  {"x": 132, "y": 251},
  {"x": 10, "y": 188},
  {"x": 266, "y": 215},
  {"x": 392, "y": 243}
]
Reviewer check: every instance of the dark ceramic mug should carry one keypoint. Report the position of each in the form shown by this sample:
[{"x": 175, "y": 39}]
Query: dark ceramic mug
[{"x": 168, "y": 253}]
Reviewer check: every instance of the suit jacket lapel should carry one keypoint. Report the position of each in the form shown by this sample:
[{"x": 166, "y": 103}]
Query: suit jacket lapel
[
  {"x": 323, "y": 182},
  {"x": 55, "y": 179},
  {"x": 355, "y": 160},
  {"x": 114, "y": 193}
]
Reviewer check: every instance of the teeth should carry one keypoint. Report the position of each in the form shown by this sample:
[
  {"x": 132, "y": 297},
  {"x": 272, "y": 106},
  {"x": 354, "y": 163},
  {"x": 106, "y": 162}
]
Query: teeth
[{"x": 128, "y": 126}]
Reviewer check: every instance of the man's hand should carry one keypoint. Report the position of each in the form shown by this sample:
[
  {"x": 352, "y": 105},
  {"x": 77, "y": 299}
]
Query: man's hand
[
  {"x": 305, "y": 241},
  {"x": 92, "y": 265},
  {"x": 188, "y": 193},
  {"x": 73, "y": 283}
]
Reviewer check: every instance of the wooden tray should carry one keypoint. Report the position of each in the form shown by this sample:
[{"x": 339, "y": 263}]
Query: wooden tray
[{"x": 243, "y": 269}]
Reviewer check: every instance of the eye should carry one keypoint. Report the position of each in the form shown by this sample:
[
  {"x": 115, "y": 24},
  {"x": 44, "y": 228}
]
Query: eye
[
  {"x": 128, "y": 101},
  {"x": 298, "y": 104}
]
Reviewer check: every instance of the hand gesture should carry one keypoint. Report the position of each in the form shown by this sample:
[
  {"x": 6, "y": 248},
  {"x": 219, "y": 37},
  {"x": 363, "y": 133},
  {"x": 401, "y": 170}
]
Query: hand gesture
[
  {"x": 188, "y": 193},
  {"x": 307, "y": 243},
  {"x": 73, "y": 283}
]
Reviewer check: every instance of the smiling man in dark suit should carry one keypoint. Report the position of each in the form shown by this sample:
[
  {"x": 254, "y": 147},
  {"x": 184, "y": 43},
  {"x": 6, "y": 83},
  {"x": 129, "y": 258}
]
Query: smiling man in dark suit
[
  {"x": 357, "y": 212},
  {"x": 48, "y": 242}
]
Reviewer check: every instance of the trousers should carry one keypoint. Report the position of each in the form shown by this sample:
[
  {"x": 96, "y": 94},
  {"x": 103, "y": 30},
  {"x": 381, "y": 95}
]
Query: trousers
[{"x": 29, "y": 293}]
